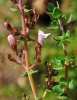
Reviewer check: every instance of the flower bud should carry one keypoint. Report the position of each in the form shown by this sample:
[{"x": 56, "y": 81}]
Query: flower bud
[
  {"x": 41, "y": 36},
  {"x": 15, "y": 1},
  {"x": 8, "y": 26},
  {"x": 11, "y": 39},
  {"x": 12, "y": 42},
  {"x": 11, "y": 58},
  {"x": 15, "y": 32}
]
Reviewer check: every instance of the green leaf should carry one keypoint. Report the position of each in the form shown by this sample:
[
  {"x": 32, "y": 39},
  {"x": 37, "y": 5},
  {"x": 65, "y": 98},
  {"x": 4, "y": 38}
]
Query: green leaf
[
  {"x": 30, "y": 39},
  {"x": 57, "y": 4},
  {"x": 53, "y": 27},
  {"x": 68, "y": 35},
  {"x": 63, "y": 96},
  {"x": 55, "y": 73},
  {"x": 63, "y": 41},
  {"x": 26, "y": 10},
  {"x": 50, "y": 7},
  {"x": 63, "y": 18},
  {"x": 15, "y": 66},
  {"x": 22, "y": 38},
  {"x": 55, "y": 83},
  {"x": 63, "y": 61},
  {"x": 32, "y": 71},
  {"x": 63, "y": 82},
  {"x": 58, "y": 38},
  {"x": 13, "y": 9},
  {"x": 71, "y": 85},
  {"x": 72, "y": 61},
  {"x": 25, "y": 74},
  {"x": 57, "y": 89},
  {"x": 49, "y": 89},
  {"x": 64, "y": 35},
  {"x": 24, "y": 99},
  {"x": 63, "y": 85},
  {"x": 57, "y": 68},
  {"x": 54, "y": 22},
  {"x": 62, "y": 79},
  {"x": 56, "y": 61},
  {"x": 56, "y": 12},
  {"x": 52, "y": 18},
  {"x": 37, "y": 98},
  {"x": 69, "y": 20},
  {"x": 48, "y": 13}
]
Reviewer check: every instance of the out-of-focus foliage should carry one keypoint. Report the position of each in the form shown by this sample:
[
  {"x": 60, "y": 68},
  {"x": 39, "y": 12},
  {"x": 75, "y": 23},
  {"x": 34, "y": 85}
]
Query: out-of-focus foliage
[{"x": 12, "y": 85}]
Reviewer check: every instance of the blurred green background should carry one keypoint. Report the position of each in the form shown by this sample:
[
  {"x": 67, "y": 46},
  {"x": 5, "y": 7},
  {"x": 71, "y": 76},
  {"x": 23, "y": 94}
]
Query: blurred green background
[{"x": 12, "y": 85}]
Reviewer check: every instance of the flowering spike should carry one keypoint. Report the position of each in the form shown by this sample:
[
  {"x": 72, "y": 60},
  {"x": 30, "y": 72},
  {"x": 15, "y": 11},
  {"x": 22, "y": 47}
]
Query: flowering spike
[{"x": 41, "y": 36}]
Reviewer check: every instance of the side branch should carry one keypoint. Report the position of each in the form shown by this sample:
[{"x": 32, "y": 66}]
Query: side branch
[{"x": 65, "y": 51}]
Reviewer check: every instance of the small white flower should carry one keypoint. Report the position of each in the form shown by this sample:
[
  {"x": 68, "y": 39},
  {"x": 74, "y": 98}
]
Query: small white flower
[{"x": 41, "y": 36}]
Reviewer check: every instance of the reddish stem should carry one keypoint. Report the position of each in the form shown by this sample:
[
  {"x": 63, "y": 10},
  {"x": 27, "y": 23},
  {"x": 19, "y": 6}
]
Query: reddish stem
[{"x": 26, "y": 50}]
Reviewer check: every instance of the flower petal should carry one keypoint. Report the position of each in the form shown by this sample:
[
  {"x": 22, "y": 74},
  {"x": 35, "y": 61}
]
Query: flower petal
[{"x": 41, "y": 36}]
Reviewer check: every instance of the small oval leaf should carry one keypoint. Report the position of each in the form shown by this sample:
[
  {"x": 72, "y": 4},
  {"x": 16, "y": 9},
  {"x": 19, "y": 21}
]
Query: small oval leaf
[
  {"x": 24, "y": 99},
  {"x": 54, "y": 22},
  {"x": 15, "y": 66},
  {"x": 62, "y": 79},
  {"x": 58, "y": 68},
  {"x": 58, "y": 38},
  {"x": 56, "y": 61},
  {"x": 49, "y": 90},
  {"x": 25, "y": 74},
  {"x": 26, "y": 10},
  {"x": 71, "y": 85},
  {"x": 57, "y": 89},
  {"x": 53, "y": 27},
  {"x": 63, "y": 96},
  {"x": 56, "y": 12},
  {"x": 63, "y": 61},
  {"x": 32, "y": 71},
  {"x": 64, "y": 42},
  {"x": 13, "y": 9},
  {"x": 48, "y": 13},
  {"x": 69, "y": 20},
  {"x": 50, "y": 6},
  {"x": 63, "y": 18},
  {"x": 68, "y": 35}
]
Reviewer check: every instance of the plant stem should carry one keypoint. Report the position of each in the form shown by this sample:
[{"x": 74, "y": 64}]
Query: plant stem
[
  {"x": 65, "y": 51},
  {"x": 45, "y": 92},
  {"x": 26, "y": 50}
]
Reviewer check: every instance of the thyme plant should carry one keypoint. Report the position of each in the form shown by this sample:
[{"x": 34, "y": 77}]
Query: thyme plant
[{"x": 29, "y": 19}]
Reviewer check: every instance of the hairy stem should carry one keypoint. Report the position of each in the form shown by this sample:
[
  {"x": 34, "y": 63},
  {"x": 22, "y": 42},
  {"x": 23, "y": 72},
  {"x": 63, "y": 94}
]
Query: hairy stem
[
  {"x": 26, "y": 50},
  {"x": 65, "y": 51}
]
